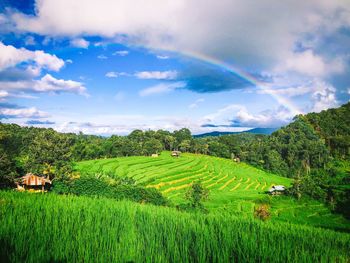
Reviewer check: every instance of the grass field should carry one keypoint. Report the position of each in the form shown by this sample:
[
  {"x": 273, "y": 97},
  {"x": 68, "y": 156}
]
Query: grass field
[
  {"x": 59, "y": 228},
  {"x": 234, "y": 187}
]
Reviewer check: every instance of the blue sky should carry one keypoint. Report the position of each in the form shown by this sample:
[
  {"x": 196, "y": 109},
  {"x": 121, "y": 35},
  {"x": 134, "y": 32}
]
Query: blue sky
[{"x": 109, "y": 67}]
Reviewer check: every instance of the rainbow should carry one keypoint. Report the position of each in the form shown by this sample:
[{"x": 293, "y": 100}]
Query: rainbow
[
  {"x": 235, "y": 70},
  {"x": 244, "y": 75}
]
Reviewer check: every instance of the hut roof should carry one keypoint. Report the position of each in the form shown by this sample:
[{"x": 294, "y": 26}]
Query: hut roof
[
  {"x": 277, "y": 188},
  {"x": 32, "y": 179}
]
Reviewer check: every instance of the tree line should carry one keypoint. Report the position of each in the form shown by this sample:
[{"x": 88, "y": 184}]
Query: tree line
[{"x": 314, "y": 150}]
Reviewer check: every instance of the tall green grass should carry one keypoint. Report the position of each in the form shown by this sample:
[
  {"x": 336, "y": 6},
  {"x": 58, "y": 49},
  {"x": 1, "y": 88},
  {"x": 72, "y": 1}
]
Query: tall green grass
[{"x": 53, "y": 228}]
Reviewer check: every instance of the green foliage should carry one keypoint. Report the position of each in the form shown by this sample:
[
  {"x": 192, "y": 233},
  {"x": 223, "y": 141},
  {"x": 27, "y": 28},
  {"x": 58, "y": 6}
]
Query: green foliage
[
  {"x": 91, "y": 186},
  {"x": 54, "y": 228},
  {"x": 196, "y": 194},
  {"x": 333, "y": 125},
  {"x": 60, "y": 187},
  {"x": 152, "y": 146},
  {"x": 49, "y": 154}
]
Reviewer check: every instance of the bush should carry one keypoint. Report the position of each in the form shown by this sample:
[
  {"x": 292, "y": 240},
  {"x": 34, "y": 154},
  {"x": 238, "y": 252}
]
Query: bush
[
  {"x": 262, "y": 212},
  {"x": 60, "y": 187},
  {"x": 91, "y": 186}
]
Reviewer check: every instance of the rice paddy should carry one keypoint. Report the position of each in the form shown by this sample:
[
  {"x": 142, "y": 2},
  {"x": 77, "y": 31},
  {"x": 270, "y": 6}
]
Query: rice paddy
[
  {"x": 54, "y": 228},
  {"x": 65, "y": 228},
  {"x": 233, "y": 187},
  {"x": 175, "y": 175}
]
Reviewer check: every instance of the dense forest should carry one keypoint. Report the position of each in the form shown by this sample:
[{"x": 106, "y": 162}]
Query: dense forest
[{"x": 314, "y": 150}]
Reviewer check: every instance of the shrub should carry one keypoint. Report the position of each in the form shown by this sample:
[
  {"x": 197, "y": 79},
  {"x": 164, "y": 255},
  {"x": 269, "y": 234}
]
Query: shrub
[
  {"x": 91, "y": 186},
  {"x": 196, "y": 195},
  {"x": 262, "y": 212}
]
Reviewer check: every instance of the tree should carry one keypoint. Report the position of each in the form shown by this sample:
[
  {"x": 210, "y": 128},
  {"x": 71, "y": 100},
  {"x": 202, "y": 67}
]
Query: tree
[
  {"x": 181, "y": 135},
  {"x": 196, "y": 195},
  {"x": 218, "y": 149},
  {"x": 152, "y": 146},
  {"x": 137, "y": 136},
  {"x": 185, "y": 145},
  {"x": 169, "y": 142},
  {"x": 7, "y": 170},
  {"x": 49, "y": 149}
]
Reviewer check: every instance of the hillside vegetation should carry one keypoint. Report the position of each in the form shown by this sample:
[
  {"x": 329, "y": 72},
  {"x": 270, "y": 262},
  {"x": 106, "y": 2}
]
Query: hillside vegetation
[
  {"x": 173, "y": 176},
  {"x": 236, "y": 188},
  {"x": 54, "y": 228}
]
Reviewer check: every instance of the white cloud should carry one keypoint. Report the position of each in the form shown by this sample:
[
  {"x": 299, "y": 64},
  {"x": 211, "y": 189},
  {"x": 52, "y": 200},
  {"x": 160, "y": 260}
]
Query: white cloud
[
  {"x": 11, "y": 56},
  {"x": 238, "y": 115},
  {"x": 288, "y": 91},
  {"x": 170, "y": 74},
  {"x": 320, "y": 94},
  {"x": 223, "y": 115},
  {"x": 51, "y": 84},
  {"x": 162, "y": 88},
  {"x": 324, "y": 97},
  {"x": 162, "y": 57},
  {"x": 160, "y": 75},
  {"x": 216, "y": 30},
  {"x": 268, "y": 118},
  {"x": 310, "y": 64},
  {"x": 46, "y": 84},
  {"x": 102, "y": 56},
  {"x": 121, "y": 53},
  {"x": 69, "y": 61},
  {"x": 80, "y": 42},
  {"x": 33, "y": 112},
  {"x": 124, "y": 124},
  {"x": 195, "y": 104},
  {"x": 3, "y": 94},
  {"x": 113, "y": 74}
]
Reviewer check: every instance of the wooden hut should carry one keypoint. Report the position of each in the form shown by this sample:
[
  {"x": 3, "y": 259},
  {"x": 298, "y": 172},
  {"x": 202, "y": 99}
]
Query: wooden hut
[
  {"x": 277, "y": 190},
  {"x": 33, "y": 182},
  {"x": 175, "y": 153}
]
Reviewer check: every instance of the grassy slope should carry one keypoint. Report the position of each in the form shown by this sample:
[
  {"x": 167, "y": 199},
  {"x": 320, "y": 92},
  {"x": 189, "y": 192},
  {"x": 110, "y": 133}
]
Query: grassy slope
[
  {"x": 234, "y": 188},
  {"x": 53, "y": 228}
]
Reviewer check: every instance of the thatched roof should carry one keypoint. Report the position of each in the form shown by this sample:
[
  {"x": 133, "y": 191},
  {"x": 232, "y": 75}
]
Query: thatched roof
[{"x": 32, "y": 179}]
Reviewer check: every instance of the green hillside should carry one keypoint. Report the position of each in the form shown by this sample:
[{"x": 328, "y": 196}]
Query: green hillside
[
  {"x": 173, "y": 176},
  {"x": 233, "y": 187}
]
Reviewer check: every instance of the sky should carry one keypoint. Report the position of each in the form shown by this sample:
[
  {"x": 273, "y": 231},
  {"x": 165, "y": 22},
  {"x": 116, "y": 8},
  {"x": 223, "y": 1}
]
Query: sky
[{"x": 112, "y": 66}]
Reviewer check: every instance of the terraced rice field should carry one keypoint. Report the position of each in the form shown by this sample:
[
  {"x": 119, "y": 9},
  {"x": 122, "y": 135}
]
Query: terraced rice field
[
  {"x": 227, "y": 181},
  {"x": 233, "y": 187},
  {"x": 173, "y": 176}
]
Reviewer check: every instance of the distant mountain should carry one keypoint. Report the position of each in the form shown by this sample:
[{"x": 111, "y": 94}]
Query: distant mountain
[
  {"x": 262, "y": 130},
  {"x": 266, "y": 131}
]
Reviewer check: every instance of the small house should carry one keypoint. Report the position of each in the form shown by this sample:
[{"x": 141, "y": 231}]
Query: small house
[
  {"x": 175, "y": 153},
  {"x": 277, "y": 190},
  {"x": 33, "y": 182}
]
